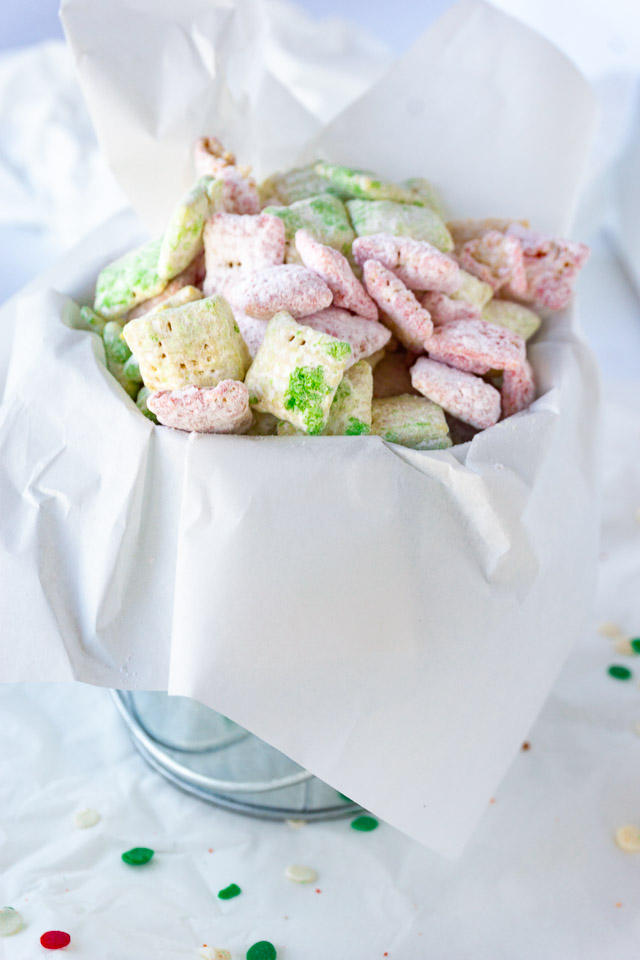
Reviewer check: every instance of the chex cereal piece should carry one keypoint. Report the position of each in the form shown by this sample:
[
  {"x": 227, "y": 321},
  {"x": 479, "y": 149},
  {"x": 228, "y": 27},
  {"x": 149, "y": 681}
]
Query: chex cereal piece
[
  {"x": 350, "y": 413},
  {"x": 551, "y": 266},
  {"x": 252, "y": 330},
  {"x": 409, "y": 321},
  {"x": 182, "y": 240},
  {"x": 365, "y": 336},
  {"x": 444, "y": 309},
  {"x": 417, "y": 263},
  {"x": 195, "y": 345},
  {"x": 352, "y": 182},
  {"x": 293, "y": 185},
  {"x": 239, "y": 191},
  {"x": 324, "y": 216},
  {"x": 484, "y": 343},
  {"x": 462, "y": 394},
  {"x": 513, "y": 316},
  {"x": 220, "y": 409},
  {"x": 391, "y": 376},
  {"x": 296, "y": 373},
  {"x": 518, "y": 389},
  {"x": 460, "y": 362},
  {"x": 237, "y": 245},
  {"x": 410, "y": 421},
  {"x": 210, "y": 157},
  {"x": 191, "y": 277},
  {"x": 126, "y": 282},
  {"x": 496, "y": 259},
  {"x": 473, "y": 291},
  {"x": 399, "y": 219},
  {"x": 88, "y": 319},
  {"x": 335, "y": 270},
  {"x": 426, "y": 193},
  {"x": 184, "y": 295},
  {"x": 286, "y": 287},
  {"x": 464, "y": 230}
]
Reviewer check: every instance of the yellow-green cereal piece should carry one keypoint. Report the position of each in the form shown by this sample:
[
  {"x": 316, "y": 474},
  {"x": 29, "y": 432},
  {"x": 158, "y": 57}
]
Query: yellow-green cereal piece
[
  {"x": 350, "y": 413},
  {"x": 296, "y": 373},
  {"x": 426, "y": 193},
  {"x": 324, "y": 216},
  {"x": 90, "y": 320},
  {"x": 126, "y": 282},
  {"x": 401, "y": 220},
  {"x": 197, "y": 345},
  {"x": 117, "y": 372},
  {"x": 473, "y": 291},
  {"x": 291, "y": 186},
  {"x": 263, "y": 424},
  {"x": 513, "y": 316},
  {"x": 114, "y": 346},
  {"x": 131, "y": 370},
  {"x": 141, "y": 403},
  {"x": 410, "y": 421},
  {"x": 364, "y": 184},
  {"x": 182, "y": 240},
  {"x": 184, "y": 295}
]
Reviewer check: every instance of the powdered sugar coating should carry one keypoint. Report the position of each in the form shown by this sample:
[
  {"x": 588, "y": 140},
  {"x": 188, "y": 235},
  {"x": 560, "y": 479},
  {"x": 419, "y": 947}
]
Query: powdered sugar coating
[
  {"x": 518, "y": 389},
  {"x": 496, "y": 259},
  {"x": 240, "y": 244},
  {"x": 462, "y": 394},
  {"x": 287, "y": 287},
  {"x": 252, "y": 330},
  {"x": 484, "y": 343},
  {"x": 417, "y": 263},
  {"x": 220, "y": 409},
  {"x": 365, "y": 336},
  {"x": 444, "y": 309},
  {"x": 460, "y": 362},
  {"x": 551, "y": 267},
  {"x": 408, "y": 320},
  {"x": 335, "y": 270},
  {"x": 192, "y": 276},
  {"x": 469, "y": 229}
]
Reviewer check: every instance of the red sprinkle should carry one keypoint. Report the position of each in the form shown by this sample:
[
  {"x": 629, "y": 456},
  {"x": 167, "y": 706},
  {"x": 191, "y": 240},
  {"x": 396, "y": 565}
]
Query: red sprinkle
[
  {"x": 318, "y": 891},
  {"x": 55, "y": 939}
]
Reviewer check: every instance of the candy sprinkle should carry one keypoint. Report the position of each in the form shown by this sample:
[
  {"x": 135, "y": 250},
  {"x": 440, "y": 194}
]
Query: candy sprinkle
[
  {"x": 55, "y": 939},
  {"x": 628, "y": 839},
  {"x": 10, "y": 922},
  {"x": 83, "y": 819},
  {"x": 300, "y": 874},
  {"x": 609, "y": 629},
  {"x": 213, "y": 953},
  {"x": 263, "y": 950},
  {"x": 233, "y": 890},
  {"x": 619, "y": 673},
  {"x": 634, "y": 643},
  {"x": 623, "y": 647},
  {"x": 137, "y": 856},
  {"x": 364, "y": 824}
]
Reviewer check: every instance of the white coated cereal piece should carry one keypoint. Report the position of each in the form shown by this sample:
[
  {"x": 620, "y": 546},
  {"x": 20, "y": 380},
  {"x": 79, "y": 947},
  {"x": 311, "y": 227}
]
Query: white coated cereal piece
[
  {"x": 462, "y": 394},
  {"x": 301, "y": 874},
  {"x": 192, "y": 278},
  {"x": 288, "y": 187},
  {"x": 126, "y": 282},
  {"x": 252, "y": 330},
  {"x": 444, "y": 309},
  {"x": 182, "y": 240},
  {"x": 86, "y": 818},
  {"x": 238, "y": 244},
  {"x": 426, "y": 194},
  {"x": 198, "y": 344},
  {"x": 220, "y": 409},
  {"x": 335, "y": 270},
  {"x": 391, "y": 376},
  {"x": 628, "y": 839},
  {"x": 464, "y": 230},
  {"x": 365, "y": 336},
  {"x": 410, "y": 421},
  {"x": 296, "y": 373},
  {"x": 408, "y": 320},
  {"x": 287, "y": 287},
  {"x": 473, "y": 291},
  {"x": 399, "y": 219},
  {"x": 518, "y": 389},
  {"x": 213, "y": 953},
  {"x": 480, "y": 342},
  {"x": 496, "y": 259},
  {"x": 350, "y": 413},
  {"x": 11, "y": 922},
  {"x": 460, "y": 362},
  {"x": 514, "y": 316},
  {"x": 417, "y": 263}
]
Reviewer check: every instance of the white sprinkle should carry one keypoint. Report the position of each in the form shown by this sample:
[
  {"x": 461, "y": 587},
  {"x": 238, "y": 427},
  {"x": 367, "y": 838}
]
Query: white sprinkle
[
  {"x": 296, "y": 824},
  {"x": 300, "y": 874},
  {"x": 628, "y": 839},
  {"x": 623, "y": 646},
  {"x": 609, "y": 629},
  {"x": 213, "y": 953},
  {"x": 10, "y": 922},
  {"x": 83, "y": 819}
]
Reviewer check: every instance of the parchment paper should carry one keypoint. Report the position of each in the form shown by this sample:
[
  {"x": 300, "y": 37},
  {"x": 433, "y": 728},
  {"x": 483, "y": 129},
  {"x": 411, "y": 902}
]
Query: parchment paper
[{"x": 393, "y": 620}]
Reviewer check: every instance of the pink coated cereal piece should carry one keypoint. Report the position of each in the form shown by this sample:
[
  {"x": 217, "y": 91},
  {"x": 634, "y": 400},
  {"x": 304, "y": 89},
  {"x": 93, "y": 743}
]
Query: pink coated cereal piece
[
  {"x": 518, "y": 390},
  {"x": 365, "y": 336},
  {"x": 464, "y": 230},
  {"x": 551, "y": 266},
  {"x": 497, "y": 260},
  {"x": 191, "y": 276},
  {"x": 335, "y": 270},
  {"x": 286, "y": 287},
  {"x": 240, "y": 244},
  {"x": 409, "y": 321},
  {"x": 220, "y": 409},
  {"x": 481, "y": 342},
  {"x": 240, "y": 194},
  {"x": 417, "y": 263},
  {"x": 252, "y": 330},
  {"x": 444, "y": 309},
  {"x": 462, "y": 394},
  {"x": 459, "y": 362}
]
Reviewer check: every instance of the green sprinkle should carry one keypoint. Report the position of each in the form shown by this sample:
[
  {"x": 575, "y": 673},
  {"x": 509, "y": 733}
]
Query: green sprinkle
[
  {"x": 364, "y": 824},
  {"x": 635, "y": 644},
  {"x": 619, "y": 673},
  {"x": 137, "y": 856},
  {"x": 263, "y": 950},
  {"x": 233, "y": 890},
  {"x": 306, "y": 390},
  {"x": 253, "y": 401},
  {"x": 339, "y": 349},
  {"x": 357, "y": 427},
  {"x": 343, "y": 796}
]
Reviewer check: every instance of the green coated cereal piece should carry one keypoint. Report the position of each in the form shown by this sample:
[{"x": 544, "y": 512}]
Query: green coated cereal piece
[
  {"x": 292, "y": 185},
  {"x": 401, "y": 220},
  {"x": 411, "y": 421},
  {"x": 296, "y": 372},
  {"x": 90, "y": 320},
  {"x": 126, "y": 282},
  {"x": 197, "y": 345},
  {"x": 182, "y": 240},
  {"x": 141, "y": 404},
  {"x": 426, "y": 193},
  {"x": 513, "y": 316},
  {"x": 131, "y": 370},
  {"x": 352, "y": 182},
  {"x": 117, "y": 371},
  {"x": 114, "y": 346},
  {"x": 350, "y": 413},
  {"x": 324, "y": 216},
  {"x": 473, "y": 291}
]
